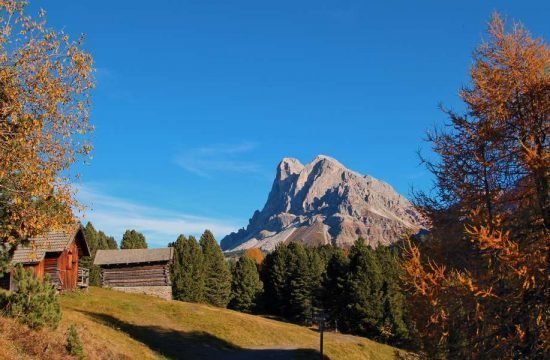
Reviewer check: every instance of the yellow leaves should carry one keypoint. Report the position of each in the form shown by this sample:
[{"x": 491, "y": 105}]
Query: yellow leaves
[{"x": 44, "y": 102}]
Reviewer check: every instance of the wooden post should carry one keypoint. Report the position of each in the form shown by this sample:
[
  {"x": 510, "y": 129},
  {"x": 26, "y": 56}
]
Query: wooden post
[{"x": 321, "y": 330}]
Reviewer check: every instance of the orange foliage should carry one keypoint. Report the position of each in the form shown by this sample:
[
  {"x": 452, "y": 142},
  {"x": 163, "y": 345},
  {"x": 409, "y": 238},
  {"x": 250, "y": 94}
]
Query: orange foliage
[
  {"x": 256, "y": 254},
  {"x": 483, "y": 291},
  {"x": 45, "y": 80}
]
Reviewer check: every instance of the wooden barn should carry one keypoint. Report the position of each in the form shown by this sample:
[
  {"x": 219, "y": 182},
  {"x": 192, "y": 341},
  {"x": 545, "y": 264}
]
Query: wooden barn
[
  {"x": 55, "y": 254},
  {"x": 144, "y": 271}
]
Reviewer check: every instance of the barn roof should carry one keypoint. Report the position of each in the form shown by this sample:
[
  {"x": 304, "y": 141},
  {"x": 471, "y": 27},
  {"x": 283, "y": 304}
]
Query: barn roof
[
  {"x": 132, "y": 256},
  {"x": 36, "y": 248}
]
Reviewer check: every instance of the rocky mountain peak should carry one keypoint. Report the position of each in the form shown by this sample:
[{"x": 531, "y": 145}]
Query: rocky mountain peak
[
  {"x": 288, "y": 167},
  {"x": 324, "y": 202}
]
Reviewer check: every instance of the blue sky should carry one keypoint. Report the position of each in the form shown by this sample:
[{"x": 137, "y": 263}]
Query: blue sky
[{"x": 197, "y": 101}]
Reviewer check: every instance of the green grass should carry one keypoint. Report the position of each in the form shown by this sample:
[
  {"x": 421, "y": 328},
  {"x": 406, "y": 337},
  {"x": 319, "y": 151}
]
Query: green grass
[{"x": 119, "y": 325}]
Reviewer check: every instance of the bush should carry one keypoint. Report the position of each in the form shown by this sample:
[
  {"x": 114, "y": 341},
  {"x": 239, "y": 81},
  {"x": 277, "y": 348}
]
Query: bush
[
  {"x": 74, "y": 344},
  {"x": 4, "y": 299},
  {"x": 35, "y": 301}
]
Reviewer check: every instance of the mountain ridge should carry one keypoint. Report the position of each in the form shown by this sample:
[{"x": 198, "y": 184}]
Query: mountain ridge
[{"x": 323, "y": 202}]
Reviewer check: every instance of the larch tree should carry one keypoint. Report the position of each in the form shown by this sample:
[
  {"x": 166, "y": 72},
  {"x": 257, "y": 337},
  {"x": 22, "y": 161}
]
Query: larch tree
[
  {"x": 45, "y": 82},
  {"x": 488, "y": 297},
  {"x": 132, "y": 239},
  {"x": 217, "y": 277},
  {"x": 256, "y": 254}
]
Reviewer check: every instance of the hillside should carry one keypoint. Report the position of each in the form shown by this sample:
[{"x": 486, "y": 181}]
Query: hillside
[
  {"x": 115, "y": 325},
  {"x": 324, "y": 202}
]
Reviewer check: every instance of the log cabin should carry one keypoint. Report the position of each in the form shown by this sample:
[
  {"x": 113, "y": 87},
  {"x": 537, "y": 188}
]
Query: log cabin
[
  {"x": 55, "y": 254},
  {"x": 145, "y": 271}
]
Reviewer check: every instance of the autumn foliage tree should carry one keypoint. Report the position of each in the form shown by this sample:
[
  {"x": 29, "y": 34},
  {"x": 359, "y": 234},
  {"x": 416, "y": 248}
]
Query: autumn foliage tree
[
  {"x": 483, "y": 291},
  {"x": 45, "y": 79},
  {"x": 256, "y": 254}
]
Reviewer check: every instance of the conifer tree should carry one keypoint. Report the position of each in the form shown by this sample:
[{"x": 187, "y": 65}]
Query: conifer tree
[
  {"x": 256, "y": 254},
  {"x": 317, "y": 268},
  {"x": 96, "y": 241},
  {"x": 217, "y": 277},
  {"x": 187, "y": 270},
  {"x": 274, "y": 274},
  {"x": 246, "y": 286},
  {"x": 363, "y": 291},
  {"x": 393, "y": 325},
  {"x": 299, "y": 282},
  {"x": 488, "y": 296},
  {"x": 35, "y": 301},
  {"x": 334, "y": 287},
  {"x": 133, "y": 240}
]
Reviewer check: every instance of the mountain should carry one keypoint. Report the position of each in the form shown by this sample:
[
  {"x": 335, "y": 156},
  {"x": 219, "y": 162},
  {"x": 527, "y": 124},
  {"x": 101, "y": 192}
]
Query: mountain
[{"x": 323, "y": 202}]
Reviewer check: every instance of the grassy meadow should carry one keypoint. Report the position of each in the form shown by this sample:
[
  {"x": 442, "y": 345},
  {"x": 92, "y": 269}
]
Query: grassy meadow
[{"x": 115, "y": 325}]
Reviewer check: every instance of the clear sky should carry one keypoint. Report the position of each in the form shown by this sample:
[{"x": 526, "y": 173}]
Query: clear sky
[{"x": 197, "y": 101}]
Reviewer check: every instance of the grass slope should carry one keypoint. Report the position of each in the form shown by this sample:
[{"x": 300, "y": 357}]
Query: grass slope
[{"x": 115, "y": 325}]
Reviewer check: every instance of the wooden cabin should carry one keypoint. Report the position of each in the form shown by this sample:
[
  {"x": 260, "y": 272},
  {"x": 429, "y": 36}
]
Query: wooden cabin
[
  {"x": 144, "y": 271},
  {"x": 55, "y": 254}
]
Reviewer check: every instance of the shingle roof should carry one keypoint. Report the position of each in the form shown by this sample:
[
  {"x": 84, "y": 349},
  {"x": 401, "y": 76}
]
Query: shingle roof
[
  {"x": 37, "y": 247},
  {"x": 132, "y": 256}
]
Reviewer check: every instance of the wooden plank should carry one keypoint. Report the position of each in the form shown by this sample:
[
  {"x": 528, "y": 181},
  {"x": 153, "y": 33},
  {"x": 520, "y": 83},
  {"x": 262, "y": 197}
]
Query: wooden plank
[
  {"x": 130, "y": 267},
  {"x": 143, "y": 272},
  {"x": 136, "y": 280},
  {"x": 116, "y": 284}
]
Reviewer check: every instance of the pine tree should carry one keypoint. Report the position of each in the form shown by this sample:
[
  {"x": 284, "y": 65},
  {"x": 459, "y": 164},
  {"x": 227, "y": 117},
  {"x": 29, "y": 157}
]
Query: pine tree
[
  {"x": 217, "y": 277},
  {"x": 363, "y": 291},
  {"x": 133, "y": 240},
  {"x": 35, "y": 301},
  {"x": 187, "y": 270},
  {"x": 74, "y": 343},
  {"x": 246, "y": 286}
]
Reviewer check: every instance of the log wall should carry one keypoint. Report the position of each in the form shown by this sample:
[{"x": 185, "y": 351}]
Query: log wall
[{"x": 132, "y": 275}]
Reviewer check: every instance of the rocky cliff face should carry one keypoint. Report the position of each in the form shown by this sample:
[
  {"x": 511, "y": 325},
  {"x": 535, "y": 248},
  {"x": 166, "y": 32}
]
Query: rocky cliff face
[{"x": 323, "y": 202}]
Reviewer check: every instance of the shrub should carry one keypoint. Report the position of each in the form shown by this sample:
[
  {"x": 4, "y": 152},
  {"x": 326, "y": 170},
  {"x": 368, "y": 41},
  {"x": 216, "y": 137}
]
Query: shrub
[
  {"x": 35, "y": 301},
  {"x": 74, "y": 343}
]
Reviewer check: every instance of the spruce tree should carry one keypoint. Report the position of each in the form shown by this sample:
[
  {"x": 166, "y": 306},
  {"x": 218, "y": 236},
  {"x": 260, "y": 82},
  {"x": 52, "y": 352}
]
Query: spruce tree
[
  {"x": 187, "y": 270},
  {"x": 133, "y": 239},
  {"x": 217, "y": 277},
  {"x": 317, "y": 268},
  {"x": 274, "y": 274},
  {"x": 97, "y": 240},
  {"x": 334, "y": 287},
  {"x": 393, "y": 326},
  {"x": 300, "y": 285},
  {"x": 364, "y": 310},
  {"x": 246, "y": 286}
]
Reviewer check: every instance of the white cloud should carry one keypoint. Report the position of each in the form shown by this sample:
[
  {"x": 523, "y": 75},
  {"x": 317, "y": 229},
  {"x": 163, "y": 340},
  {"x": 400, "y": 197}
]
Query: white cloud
[
  {"x": 204, "y": 161},
  {"x": 114, "y": 215}
]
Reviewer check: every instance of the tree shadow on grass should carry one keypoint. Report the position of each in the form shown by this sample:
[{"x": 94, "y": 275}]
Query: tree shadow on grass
[{"x": 196, "y": 345}]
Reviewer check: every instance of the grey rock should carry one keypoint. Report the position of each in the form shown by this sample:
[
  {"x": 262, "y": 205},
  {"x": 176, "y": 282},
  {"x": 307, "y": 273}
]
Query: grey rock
[{"x": 323, "y": 202}]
